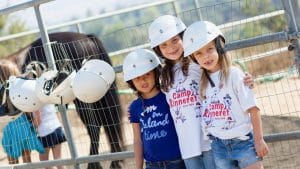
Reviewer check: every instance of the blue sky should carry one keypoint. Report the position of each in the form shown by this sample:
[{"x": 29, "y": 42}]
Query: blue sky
[{"x": 58, "y": 11}]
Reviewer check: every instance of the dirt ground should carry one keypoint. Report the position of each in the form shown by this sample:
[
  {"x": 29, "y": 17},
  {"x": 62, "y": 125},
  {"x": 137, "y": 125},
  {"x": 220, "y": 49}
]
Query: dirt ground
[{"x": 280, "y": 109}]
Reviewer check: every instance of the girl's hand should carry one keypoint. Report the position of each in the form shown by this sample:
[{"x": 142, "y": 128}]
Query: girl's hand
[
  {"x": 248, "y": 80},
  {"x": 36, "y": 118},
  {"x": 261, "y": 148}
]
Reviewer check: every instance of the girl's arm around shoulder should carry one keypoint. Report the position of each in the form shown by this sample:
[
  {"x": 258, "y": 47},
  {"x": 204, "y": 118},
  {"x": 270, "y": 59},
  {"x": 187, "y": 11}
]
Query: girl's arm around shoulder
[
  {"x": 247, "y": 77},
  {"x": 260, "y": 145},
  {"x": 248, "y": 80},
  {"x": 137, "y": 146}
]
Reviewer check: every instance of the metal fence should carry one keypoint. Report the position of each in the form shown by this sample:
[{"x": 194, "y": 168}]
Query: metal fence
[{"x": 278, "y": 99}]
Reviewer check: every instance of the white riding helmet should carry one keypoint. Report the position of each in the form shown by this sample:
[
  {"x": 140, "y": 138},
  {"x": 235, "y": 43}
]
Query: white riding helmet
[
  {"x": 93, "y": 80},
  {"x": 22, "y": 94},
  {"x": 51, "y": 93},
  {"x": 164, "y": 28},
  {"x": 198, "y": 35},
  {"x": 139, "y": 62}
]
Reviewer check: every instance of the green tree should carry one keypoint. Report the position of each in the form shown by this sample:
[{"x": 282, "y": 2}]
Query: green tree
[
  {"x": 253, "y": 8},
  {"x": 9, "y": 25}
]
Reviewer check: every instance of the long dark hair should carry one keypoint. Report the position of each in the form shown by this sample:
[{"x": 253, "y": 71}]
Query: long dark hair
[{"x": 167, "y": 78}]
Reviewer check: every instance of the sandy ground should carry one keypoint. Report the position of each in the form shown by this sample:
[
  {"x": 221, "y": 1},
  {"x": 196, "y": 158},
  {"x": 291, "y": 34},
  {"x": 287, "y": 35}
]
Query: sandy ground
[{"x": 280, "y": 109}]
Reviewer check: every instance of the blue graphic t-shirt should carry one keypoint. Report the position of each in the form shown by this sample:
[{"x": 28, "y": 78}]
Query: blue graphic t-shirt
[{"x": 159, "y": 136}]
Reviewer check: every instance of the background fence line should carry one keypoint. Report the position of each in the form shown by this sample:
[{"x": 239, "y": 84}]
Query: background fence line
[{"x": 78, "y": 22}]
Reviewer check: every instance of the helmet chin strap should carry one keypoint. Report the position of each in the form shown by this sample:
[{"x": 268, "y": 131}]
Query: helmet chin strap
[{"x": 209, "y": 79}]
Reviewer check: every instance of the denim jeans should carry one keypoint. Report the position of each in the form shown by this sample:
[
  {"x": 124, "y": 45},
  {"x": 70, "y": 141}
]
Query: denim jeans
[
  {"x": 204, "y": 161},
  {"x": 234, "y": 153},
  {"x": 175, "y": 164}
]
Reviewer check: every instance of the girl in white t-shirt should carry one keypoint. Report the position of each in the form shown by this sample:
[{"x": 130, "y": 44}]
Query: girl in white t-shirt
[
  {"x": 180, "y": 82},
  {"x": 46, "y": 122},
  {"x": 49, "y": 131},
  {"x": 230, "y": 116}
]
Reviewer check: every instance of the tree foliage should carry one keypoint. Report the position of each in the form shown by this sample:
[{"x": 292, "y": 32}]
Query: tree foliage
[
  {"x": 253, "y": 8},
  {"x": 10, "y": 25}
]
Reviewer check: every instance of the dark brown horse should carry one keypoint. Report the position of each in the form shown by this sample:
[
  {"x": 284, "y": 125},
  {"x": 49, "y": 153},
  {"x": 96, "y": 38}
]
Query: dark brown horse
[{"x": 106, "y": 112}]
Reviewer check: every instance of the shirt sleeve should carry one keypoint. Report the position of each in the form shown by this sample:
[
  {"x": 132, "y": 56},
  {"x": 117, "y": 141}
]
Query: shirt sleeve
[
  {"x": 133, "y": 111},
  {"x": 244, "y": 94}
]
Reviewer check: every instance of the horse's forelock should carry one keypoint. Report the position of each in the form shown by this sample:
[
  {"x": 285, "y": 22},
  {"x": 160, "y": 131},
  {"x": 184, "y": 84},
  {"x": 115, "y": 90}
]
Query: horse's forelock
[{"x": 19, "y": 57}]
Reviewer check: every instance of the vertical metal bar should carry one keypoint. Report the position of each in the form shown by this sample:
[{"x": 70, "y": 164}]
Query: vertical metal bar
[
  {"x": 292, "y": 8},
  {"x": 45, "y": 38},
  {"x": 67, "y": 127},
  {"x": 79, "y": 28},
  {"x": 22, "y": 6},
  {"x": 51, "y": 64},
  {"x": 197, "y": 5},
  {"x": 175, "y": 7}
]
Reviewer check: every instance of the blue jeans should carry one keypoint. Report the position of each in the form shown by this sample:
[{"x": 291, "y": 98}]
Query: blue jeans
[
  {"x": 203, "y": 161},
  {"x": 175, "y": 164},
  {"x": 234, "y": 153}
]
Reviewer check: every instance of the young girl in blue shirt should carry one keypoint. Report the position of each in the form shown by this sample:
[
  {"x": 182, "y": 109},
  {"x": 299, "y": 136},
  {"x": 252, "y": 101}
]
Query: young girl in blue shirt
[{"x": 155, "y": 138}]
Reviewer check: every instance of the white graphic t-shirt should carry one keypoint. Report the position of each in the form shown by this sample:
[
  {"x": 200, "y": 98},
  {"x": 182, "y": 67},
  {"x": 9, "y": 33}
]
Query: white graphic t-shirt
[
  {"x": 224, "y": 111},
  {"x": 185, "y": 106}
]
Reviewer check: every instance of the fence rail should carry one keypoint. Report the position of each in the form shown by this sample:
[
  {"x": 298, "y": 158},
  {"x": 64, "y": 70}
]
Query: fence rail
[
  {"x": 23, "y": 6},
  {"x": 129, "y": 154},
  {"x": 80, "y": 21}
]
